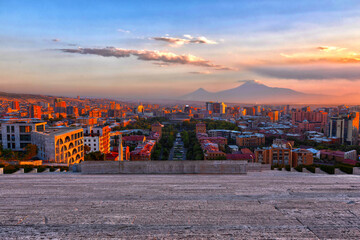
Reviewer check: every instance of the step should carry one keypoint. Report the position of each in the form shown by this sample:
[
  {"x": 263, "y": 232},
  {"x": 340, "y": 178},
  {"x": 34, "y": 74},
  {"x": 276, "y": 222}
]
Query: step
[
  {"x": 356, "y": 171},
  {"x": 33, "y": 171},
  {"x": 46, "y": 170},
  {"x": 20, "y": 171},
  {"x": 319, "y": 171},
  {"x": 339, "y": 172},
  {"x": 306, "y": 171},
  {"x": 57, "y": 170},
  {"x": 1, "y": 170}
]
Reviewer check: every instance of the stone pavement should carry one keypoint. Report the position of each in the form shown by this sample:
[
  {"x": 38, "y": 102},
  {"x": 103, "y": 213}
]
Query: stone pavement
[{"x": 262, "y": 205}]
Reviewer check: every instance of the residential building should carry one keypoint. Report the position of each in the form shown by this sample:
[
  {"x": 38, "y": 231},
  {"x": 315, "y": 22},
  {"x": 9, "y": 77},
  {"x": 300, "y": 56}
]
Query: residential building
[
  {"x": 157, "y": 127},
  {"x": 35, "y": 111},
  {"x": 345, "y": 128},
  {"x": 252, "y": 140},
  {"x": 97, "y": 138},
  {"x": 16, "y": 134},
  {"x": 200, "y": 128},
  {"x": 60, "y": 145},
  {"x": 143, "y": 151}
]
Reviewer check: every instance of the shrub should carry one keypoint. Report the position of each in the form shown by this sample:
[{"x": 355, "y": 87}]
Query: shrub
[
  {"x": 41, "y": 168},
  {"x": 11, "y": 169},
  {"x": 299, "y": 168},
  {"x": 52, "y": 169},
  {"x": 311, "y": 168},
  {"x": 27, "y": 168},
  {"x": 346, "y": 169},
  {"x": 63, "y": 168},
  {"x": 328, "y": 169},
  {"x": 288, "y": 168},
  {"x": 279, "y": 168},
  {"x": 272, "y": 167}
]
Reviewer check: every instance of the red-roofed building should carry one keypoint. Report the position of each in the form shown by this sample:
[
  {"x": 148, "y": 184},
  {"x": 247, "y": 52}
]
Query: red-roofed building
[
  {"x": 143, "y": 151},
  {"x": 242, "y": 156},
  {"x": 133, "y": 139}
]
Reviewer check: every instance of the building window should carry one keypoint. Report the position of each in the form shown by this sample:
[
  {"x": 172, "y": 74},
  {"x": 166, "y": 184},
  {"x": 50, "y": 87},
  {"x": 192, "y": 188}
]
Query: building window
[
  {"x": 25, "y": 137},
  {"x": 40, "y": 128}
]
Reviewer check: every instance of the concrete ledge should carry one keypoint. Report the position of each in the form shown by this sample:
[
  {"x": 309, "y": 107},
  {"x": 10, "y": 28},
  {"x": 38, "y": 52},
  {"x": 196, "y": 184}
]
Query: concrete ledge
[
  {"x": 57, "y": 170},
  {"x": 305, "y": 170},
  {"x": 164, "y": 167},
  {"x": 1, "y": 170},
  {"x": 356, "y": 171},
  {"x": 20, "y": 171},
  {"x": 319, "y": 171},
  {"x": 257, "y": 167},
  {"x": 33, "y": 171},
  {"x": 339, "y": 172},
  {"x": 46, "y": 170}
]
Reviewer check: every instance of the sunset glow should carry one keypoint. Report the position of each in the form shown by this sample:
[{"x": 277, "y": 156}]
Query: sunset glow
[{"x": 306, "y": 46}]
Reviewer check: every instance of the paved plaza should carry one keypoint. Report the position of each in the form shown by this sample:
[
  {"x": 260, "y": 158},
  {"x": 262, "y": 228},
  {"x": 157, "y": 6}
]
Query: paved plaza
[{"x": 264, "y": 205}]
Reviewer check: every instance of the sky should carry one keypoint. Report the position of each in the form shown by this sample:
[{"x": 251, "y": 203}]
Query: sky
[{"x": 165, "y": 49}]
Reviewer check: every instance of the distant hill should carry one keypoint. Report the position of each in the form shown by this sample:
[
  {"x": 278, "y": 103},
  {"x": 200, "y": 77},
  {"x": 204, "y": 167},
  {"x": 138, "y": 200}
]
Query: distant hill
[
  {"x": 253, "y": 92},
  {"x": 32, "y": 98}
]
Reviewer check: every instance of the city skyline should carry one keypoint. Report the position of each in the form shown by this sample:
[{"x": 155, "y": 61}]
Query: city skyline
[{"x": 162, "y": 49}]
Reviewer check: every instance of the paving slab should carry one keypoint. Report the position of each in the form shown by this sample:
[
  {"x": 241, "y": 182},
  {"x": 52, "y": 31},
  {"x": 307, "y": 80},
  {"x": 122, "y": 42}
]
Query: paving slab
[{"x": 259, "y": 205}]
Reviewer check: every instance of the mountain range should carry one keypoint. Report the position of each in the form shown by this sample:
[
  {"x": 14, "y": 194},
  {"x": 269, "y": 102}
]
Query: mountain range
[{"x": 252, "y": 91}]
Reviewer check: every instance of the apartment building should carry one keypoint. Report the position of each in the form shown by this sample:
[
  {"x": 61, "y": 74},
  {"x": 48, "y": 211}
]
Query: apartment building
[
  {"x": 16, "y": 133},
  {"x": 97, "y": 138},
  {"x": 60, "y": 145}
]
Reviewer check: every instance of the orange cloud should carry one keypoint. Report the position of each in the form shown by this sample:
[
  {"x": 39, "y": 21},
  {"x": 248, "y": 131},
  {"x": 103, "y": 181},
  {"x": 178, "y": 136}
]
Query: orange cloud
[
  {"x": 329, "y": 49},
  {"x": 147, "y": 55},
  {"x": 328, "y": 54}
]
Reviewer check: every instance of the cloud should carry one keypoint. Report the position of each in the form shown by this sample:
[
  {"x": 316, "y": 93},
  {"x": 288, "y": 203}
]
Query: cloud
[
  {"x": 123, "y": 30},
  {"x": 188, "y": 39},
  {"x": 329, "y": 49},
  {"x": 147, "y": 55},
  {"x": 55, "y": 40},
  {"x": 201, "y": 72},
  {"x": 351, "y": 73},
  {"x": 298, "y": 58},
  {"x": 249, "y": 81}
]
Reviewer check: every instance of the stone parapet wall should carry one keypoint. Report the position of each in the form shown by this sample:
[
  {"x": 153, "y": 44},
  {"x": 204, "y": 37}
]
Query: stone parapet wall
[{"x": 164, "y": 167}]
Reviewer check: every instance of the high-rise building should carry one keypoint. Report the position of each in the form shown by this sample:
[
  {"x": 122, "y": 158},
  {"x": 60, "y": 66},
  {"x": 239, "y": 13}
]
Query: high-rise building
[
  {"x": 209, "y": 106},
  {"x": 112, "y": 105},
  {"x": 35, "y": 111},
  {"x": 345, "y": 128},
  {"x": 60, "y": 107},
  {"x": 274, "y": 116},
  {"x": 15, "y": 105},
  {"x": 72, "y": 111}
]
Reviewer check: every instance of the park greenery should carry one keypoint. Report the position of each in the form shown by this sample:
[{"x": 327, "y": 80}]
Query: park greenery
[
  {"x": 194, "y": 151},
  {"x": 166, "y": 143},
  {"x": 29, "y": 153}
]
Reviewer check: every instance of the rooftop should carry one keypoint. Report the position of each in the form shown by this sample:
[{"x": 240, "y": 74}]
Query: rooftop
[{"x": 59, "y": 130}]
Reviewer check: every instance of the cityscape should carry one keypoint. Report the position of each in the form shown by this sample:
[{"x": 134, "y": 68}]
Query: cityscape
[{"x": 189, "y": 120}]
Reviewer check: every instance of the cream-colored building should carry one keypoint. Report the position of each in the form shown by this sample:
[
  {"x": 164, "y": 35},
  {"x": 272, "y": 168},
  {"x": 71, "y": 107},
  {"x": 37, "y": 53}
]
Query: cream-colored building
[{"x": 61, "y": 145}]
